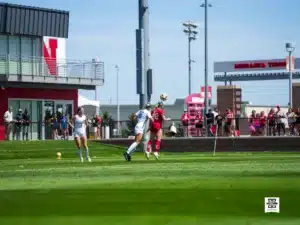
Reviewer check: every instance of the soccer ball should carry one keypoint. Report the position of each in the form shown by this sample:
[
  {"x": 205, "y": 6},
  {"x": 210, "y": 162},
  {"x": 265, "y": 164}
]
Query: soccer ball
[
  {"x": 58, "y": 155},
  {"x": 164, "y": 97}
]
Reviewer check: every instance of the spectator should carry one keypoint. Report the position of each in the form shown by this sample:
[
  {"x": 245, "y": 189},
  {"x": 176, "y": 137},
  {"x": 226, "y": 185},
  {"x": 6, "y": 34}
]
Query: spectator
[
  {"x": 18, "y": 124},
  {"x": 8, "y": 119},
  {"x": 199, "y": 124},
  {"x": 173, "y": 130},
  {"x": 210, "y": 118},
  {"x": 251, "y": 122},
  {"x": 185, "y": 118},
  {"x": 263, "y": 123},
  {"x": 55, "y": 125},
  {"x": 271, "y": 123},
  {"x": 26, "y": 123},
  {"x": 281, "y": 119},
  {"x": 297, "y": 123},
  {"x": 64, "y": 127},
  {"x": 291, "y": 116},
  {"x": 229, "y": 123},
  {"x": 219, "y": 121}
]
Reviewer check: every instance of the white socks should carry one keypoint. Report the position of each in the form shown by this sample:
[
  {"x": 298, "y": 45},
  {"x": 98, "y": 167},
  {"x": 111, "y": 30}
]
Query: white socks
[{"x": 132, "y": 148}]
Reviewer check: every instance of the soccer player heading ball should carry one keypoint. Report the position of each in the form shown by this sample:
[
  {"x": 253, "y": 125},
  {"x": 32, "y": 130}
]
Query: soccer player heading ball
[
  {"x": 142, "y": 117},
  {"x": 156, "y": 129}
]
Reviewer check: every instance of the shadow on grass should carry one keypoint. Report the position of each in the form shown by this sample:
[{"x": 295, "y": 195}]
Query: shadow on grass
[{"x": 91, "y": 201}]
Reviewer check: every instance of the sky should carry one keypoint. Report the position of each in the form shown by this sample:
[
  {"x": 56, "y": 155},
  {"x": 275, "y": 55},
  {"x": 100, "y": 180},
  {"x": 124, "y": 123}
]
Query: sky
[{"x": 237, "y": 30}]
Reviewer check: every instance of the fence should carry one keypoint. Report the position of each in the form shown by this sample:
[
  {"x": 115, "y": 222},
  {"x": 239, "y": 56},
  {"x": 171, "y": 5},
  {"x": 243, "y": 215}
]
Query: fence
[{"x": 124, "y": 129}]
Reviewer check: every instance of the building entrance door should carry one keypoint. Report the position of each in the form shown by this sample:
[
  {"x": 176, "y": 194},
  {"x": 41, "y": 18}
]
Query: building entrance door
[{"x": 48, "y": 114}]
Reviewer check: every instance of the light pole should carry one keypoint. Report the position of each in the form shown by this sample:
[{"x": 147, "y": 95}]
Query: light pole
[
  {"x": 118, "y": 106},
  {"x": 205, "y": 5},
  {"x": 290, "y": 47},
  {"x": 190, "y": 30},
  {"x": 96, "y": 62}
]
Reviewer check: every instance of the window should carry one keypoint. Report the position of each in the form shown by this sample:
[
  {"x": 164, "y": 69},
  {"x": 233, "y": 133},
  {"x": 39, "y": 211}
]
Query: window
[
  {"x": 3, "y": 53},
  {"x": 26, "y": 55},
  {"x": 37, "y": 56},
  {"x": 14, "y": 55}
]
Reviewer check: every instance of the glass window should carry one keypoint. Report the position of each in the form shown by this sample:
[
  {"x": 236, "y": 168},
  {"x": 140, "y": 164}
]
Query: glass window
[
  {"x": 3, "y": 53},
  {"x": 14, "y": 55},
  {"x": 26, "y": 55},
  {"x": 37, "y": 55}
]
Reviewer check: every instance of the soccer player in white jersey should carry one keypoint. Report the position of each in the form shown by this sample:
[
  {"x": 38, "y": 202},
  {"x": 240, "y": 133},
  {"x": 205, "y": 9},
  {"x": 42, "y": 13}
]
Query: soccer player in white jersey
[
  {"x": 142, "y": 117},
  {"x": 79, "y": 124}
]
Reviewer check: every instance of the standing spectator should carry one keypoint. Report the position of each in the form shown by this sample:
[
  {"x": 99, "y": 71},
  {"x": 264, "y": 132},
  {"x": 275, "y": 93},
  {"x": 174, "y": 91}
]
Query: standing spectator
[
  {"x": 18, "y": 124},
  {"x": 26, "y": 124},
  {"x": 229, "y": 123},
  {"x": 64, "y": 127},
  {"x": 297, "y": 123},
  {"x": 210, "y": 119},
  {"x": 291, "y": 116},
  {"x": 251, "y": 122},
  {"x": 263, "y": 123},
  {"x": 219, "y": 121},
  {"x": 55, "y": 125},
  {"x": 281, "y": 119},
  {"x": 172, "y": 130},
  {"x": 8, "y": 119},
  {"x": 271, "y": 123},
  {"x": 199, "y": 124},
  {"x": 185, "y": 118}
]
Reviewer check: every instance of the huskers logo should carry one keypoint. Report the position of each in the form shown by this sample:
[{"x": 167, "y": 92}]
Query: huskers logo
[{"x": 50, "y": 55}]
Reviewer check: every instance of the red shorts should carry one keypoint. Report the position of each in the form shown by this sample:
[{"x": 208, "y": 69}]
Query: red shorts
[{"x": 155, "y": 128}]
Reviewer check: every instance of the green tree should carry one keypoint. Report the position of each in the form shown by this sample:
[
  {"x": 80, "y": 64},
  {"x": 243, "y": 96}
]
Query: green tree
[{"x": 107, "y": 120}]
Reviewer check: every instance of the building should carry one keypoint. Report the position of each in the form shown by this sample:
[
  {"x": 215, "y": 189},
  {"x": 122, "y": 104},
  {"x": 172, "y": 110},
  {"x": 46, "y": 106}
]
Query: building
[{"x": 34, "y": 70}]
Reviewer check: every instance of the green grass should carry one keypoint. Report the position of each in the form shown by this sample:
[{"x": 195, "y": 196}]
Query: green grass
[{"x": 180, "y": 189}]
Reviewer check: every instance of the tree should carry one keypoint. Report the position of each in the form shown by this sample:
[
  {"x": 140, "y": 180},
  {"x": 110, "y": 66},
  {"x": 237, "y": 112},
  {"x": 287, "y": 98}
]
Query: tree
[{"x": 107, "y": 120}]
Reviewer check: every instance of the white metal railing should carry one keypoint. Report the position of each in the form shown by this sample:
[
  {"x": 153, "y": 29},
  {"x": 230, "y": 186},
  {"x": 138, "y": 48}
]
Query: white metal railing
[{"x": 40, "y": 66}]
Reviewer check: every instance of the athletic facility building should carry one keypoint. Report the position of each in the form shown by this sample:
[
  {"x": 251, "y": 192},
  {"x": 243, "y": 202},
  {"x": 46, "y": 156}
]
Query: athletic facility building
[{"x": 35, "y": 72}]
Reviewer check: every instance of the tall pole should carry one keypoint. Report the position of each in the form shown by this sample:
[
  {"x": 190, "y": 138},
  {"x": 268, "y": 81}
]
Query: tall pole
[
  {"x": 118, "y": 105},
  {"x": 290, "y": 80},
  {"x": 190, "y": 30},
  {"x": 190, "y": 66},
  {"x": 205, "y": 5}
]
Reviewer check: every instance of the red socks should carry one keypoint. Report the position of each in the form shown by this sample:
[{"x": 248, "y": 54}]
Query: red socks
[{"x": 157, "y": 145}]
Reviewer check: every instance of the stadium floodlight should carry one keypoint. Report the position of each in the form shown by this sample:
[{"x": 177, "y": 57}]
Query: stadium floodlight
[
  {"x": 205, "y": 5},
  {"x": 190, "y": 30},
  {"x": 290, "y": 47}
]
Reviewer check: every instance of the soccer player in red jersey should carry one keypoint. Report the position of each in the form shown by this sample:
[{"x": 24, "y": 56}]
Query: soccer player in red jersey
[{"x": 156, "y": 129}]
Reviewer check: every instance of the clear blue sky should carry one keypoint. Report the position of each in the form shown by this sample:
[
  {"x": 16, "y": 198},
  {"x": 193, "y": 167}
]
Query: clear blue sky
[{"x": 238, "y": 30}]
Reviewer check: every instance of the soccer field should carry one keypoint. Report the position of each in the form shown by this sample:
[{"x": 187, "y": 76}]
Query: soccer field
[{"x": 179, "y": 189}]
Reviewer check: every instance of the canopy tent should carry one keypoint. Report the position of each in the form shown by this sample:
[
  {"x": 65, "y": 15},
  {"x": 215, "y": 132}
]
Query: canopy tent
[{"x": 82, "y": 101}]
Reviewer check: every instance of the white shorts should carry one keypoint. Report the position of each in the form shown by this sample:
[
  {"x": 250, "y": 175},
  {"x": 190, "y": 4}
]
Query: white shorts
[
  {"x": 79, "y": 135},
  {"x": 138, "y": 130}
]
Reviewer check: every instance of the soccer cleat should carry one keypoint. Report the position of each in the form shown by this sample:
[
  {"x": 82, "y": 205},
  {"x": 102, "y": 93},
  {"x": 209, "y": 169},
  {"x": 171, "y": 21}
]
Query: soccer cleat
[
  {"x": 147, "y": 154},
  {"x": 81, "y": 159},
  {"x": 155, "y": 155},
  {"x": 89, "y": 159},
  {"x": 127, "y": 156}
]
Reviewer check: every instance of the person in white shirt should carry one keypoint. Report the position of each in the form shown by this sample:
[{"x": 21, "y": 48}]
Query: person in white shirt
[
  {"x": 8, "y": 119},
  {"x": 281, "y": 120},
  {"x": 142, "y": 117},
  {"x": 80, "y": 124}
]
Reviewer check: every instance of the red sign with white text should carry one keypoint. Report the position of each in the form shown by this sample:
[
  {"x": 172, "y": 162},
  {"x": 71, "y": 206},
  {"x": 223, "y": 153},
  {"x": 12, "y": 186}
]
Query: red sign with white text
[
  {"x": 260, "y": 65},
  {"x": 50, "y": 55}
]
